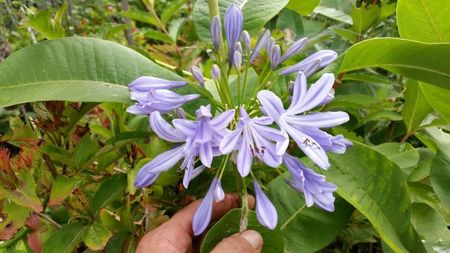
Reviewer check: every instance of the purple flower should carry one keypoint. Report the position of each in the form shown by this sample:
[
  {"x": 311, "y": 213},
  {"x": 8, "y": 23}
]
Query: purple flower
[
  {"x": 294, "y": 49},
  {"x": 314, "y": 187},
  {"x": 270, "y": 44},
  {"x": 246, "y": 40},
  {"x": 219, "y": 194},
  {"x": 201, "y": 139},
  {"x": 215, "y": 72},
  {"x": 198, "y": 75},
  {"x": 304, "y": 129},
  {"x": 260, "y": 44},
  {"x": 253, "y": 138},
  {"x": 216, "y": 32},
  {"x": 203, "y": 214},
  {"x": 153, "y": 94},
  {"x": 237, "y": 60},
  {"x": 275, "y": 53},
  {"x": 233, "y": 28},
  {"x": 238, "y": 47},
  {"x": 324, "y": 57},
  {"x": 338, "y": 144},
  {"x": 265, "y": 211}
]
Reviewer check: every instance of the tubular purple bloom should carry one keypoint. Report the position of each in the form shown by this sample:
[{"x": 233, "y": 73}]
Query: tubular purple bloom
[
  {"x": 203, "y": 214},
  {"x": 304, "y": 129},
  {"x": 314, "y": 187},
  {"x": 325, "y": 57},
  {"x": 237, "y": 60},
  {"x": 198, "y": 75},
  {"x": 275, "y": 54},
  {"x": 253, "y": 138},
  {"x": 147, "y": 83},
  {"x": 262, "y": 41},
  {"x": 216, "y": 32},
  {"x": 245, "y": 36},
  {"x": 233, "y": 28},
  {"x": 294, "y": 49},
  {"x": 215, "y": 72},
  {"x": 265, "y": 211},
  {"x": 201, "y": 139}
]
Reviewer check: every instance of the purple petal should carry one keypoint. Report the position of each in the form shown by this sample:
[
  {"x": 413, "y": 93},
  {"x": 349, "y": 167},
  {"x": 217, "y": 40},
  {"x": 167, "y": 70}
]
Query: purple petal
[
  {"x": 145, "y": 180},
  {"x": 147, "y": 83},
  {"x": 265, "y": 210},
  {"x": 244, "y": 159},
  {"x": 198, "y": 75},
  {"x": 222, "y": 120},
  {"x": 299, "y": 91},
  {"x": 275, "y": 56},
  {"x": 245, "y": 36},
  {"x": 219, "y": 194},
  {"x": 325, "y": 57},
  {"x": 187, "y": 176},
  {"x": 339, "y": 144},
  {"x": 260, "y": 44},
  {"x": 237, "y": 60},
  {"x": 138, "y": 109},
  {"x": 186, "y": 127},
  {"x": 319, "y": 119},
  {"x": 203, "y": 214},
  {"x": 272, "y": 104},
  {"x": 206, "y": 154},
  {"x": 233, "y": 28},
  {"x": 216, "y": 32},
  {"x": 230, "y": 141},
  {"x": 269, "y": 45},
  {"x": 294, "y": 49},
  {"x": 215, "y": 72},
  {"x": 317, "y": 92},
  {"x": 164, "y": 130},
  {"x": 203, "y": 132}
]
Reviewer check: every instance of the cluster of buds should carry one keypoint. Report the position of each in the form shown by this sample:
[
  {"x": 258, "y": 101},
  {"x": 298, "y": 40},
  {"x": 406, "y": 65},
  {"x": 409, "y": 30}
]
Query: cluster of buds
[{"x": 256, "y": 128}]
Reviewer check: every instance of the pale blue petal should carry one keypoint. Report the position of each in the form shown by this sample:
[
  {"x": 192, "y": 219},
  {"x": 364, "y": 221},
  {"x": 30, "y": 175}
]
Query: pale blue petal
[
  {"x": 244, "y": 159},
  {"x": 222, "y": 120},
  {"x": 147, "y": 83},
  {"x": 319, "y": 119},
  {"x": 265, "y": 210},
  {"x": 203, "y": 214},
  {"x": 272, "y": 105},
  {"x": 164, "y": 130},
  {"x": 230, "y": 141}
]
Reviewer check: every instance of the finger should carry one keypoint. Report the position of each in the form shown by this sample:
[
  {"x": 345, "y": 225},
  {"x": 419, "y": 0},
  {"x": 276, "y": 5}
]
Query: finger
[
  {"x": 175, "y": 236},
  {"x": 249, "y": 241}
]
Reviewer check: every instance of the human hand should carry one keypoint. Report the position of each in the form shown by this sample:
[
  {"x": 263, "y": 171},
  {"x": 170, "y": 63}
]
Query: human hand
[{"x": 176, "y": 235}]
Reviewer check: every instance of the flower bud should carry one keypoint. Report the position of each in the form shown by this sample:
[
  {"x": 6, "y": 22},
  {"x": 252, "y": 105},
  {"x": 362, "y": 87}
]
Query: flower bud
[
  {"x": 198, "y": 75},
  {"x": 262, "y": 41},
  {"x": 237, "y": 60},
  {"x": 269, "y": 45},
  {"x": 219, "y": 194},
  {"x": 181, "y": 114},
  {"x": 294, "y": 49},
  {"x": 234, "y": 21},
  {"x": 275, "y": 53},
  {"x": 215, "y": 72},
  {"x": 238, "y": 47},
  {"x": 246, "y": 40},
  {"x": 216, "y": 32}
]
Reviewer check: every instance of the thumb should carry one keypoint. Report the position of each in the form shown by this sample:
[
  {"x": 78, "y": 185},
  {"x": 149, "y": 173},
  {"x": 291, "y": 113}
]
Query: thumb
[{"x": 248, "y": 241}]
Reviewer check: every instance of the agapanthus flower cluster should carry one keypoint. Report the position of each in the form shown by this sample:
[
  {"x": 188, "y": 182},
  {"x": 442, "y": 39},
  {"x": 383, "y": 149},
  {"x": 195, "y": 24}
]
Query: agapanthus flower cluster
[{"x": 259, "y": 128}]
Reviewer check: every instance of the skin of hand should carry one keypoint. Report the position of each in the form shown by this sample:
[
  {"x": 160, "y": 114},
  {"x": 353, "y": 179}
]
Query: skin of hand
[{"x": 176, "y": 235}]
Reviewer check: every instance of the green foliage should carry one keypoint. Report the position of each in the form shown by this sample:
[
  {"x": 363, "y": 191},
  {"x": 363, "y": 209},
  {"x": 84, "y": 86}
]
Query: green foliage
[{"x": 304, "y": 7}]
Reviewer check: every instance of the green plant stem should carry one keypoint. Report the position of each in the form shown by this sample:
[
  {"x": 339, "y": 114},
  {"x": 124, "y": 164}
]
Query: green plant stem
[
  {"x": 247, "y": 66},
  {"x": 238, "y": 87},
  {"x": 244, "y": 209},
  {"x": 213, "y": 6}
]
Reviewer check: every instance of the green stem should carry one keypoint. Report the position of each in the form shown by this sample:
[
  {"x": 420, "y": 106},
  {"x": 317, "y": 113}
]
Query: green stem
[
  {"x": 247, "y": 66},
  {"x": 238, "y": 87},
  {"x": 244, "y": 209}
]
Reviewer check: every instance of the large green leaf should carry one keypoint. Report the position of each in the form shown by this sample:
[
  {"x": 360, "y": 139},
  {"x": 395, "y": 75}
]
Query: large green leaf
[
  {"x": 65, "y": 239},
  {"x": 403, "y": 154},
  {"x": 304, "y": 7},
  {"x": 229, "y": 224},
  {"x": 110, "y": 189},
  {"x": 73, "y": 69},
  {"x": 415, "y": 60},
  {"x": 363, "y": 17},
  {"x": 437, "y": 98},
  {"x": 423, "y": 20},
  {"x": 256, "y": 14},
  {"x": 415, "y": 108},
  {"x": 377, "y": 188},
  {"x": 305, "y": 229}
]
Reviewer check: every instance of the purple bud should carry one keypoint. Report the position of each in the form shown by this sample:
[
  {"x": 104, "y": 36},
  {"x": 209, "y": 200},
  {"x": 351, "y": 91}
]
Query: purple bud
[
  {"x": 291, "y": 86},
  {"x": 219, "y": 194},
  {"x": 325, "y": 57},
  {"x": 145, "y": 179},
  {"x": 265, "y": 211},
  {"x": 237, "y": 59},
  {"x": 216, "y": 32},
  {"x": 328, "y": 98},
  {"x": 311, "y": 67},
  {"x": 203, "y": 214},
  {"x": 275, "y": 53},
  {"x": 260, "y": 44},
  {"x": 147, "y": 83},
  {"x": 215, "y": 72},
  {"x": 181, "y": 114},
  {"x": 246, "y": 40},
  {"x": 294, "y": 49},
  {"x": 233, "y": 28},
  {"x": 238, "y": 47},
  {"x": 269, "y": 45},
  {"x": 198, "y": 75}
]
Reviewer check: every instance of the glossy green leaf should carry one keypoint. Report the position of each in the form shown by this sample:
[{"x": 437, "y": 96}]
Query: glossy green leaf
[
  {"x": 416, "y": 106},
  {"x": 363, "y": 17},
  {"x": 440, "y": 167},
  {"x": 403, "y": 154},
  {"x": 305, "y": 229},
  {"x": 304, "y": 7},
  {"x": 73, "y": 69},
  {"x": 65, "y": 239},
  {"x": 415, "y": 60},
  {"x": 25, "y": 193},
  {"x": 377, "y": 188},
  {"x": 431, "y": 227},
  {"x": 61, "y": 189},
  {"x": 97, "y": 236},
  {"x": 424, "y": 20},
  {"x": 50, "y": 28},
  {"x": 83, "y": 152},
  {"x": 111, "y": 188},
  {"x": 335, "y": 9},
  {"x": 438, "y": 98},
  {"x": 229, "y": 224},
  {"x": 256, "y": 14}
]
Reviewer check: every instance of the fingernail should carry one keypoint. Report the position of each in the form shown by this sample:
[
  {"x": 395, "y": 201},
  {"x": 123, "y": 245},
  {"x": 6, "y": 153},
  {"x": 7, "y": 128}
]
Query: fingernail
[{"x": 253, "y": 237}]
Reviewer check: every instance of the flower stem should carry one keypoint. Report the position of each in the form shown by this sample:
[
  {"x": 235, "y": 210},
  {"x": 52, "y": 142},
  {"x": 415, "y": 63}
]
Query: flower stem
[{"x": 244, "y": 209}]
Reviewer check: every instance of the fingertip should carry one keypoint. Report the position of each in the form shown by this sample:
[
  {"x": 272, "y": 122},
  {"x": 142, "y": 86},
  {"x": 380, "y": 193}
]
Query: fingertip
[{"x": 254, "y": 238}]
